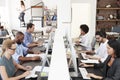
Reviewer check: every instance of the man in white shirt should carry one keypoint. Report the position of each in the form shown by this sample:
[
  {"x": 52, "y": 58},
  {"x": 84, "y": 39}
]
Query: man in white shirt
[
  {"x": 84, "y": 40},
  {"x": 100, "y": 53}
]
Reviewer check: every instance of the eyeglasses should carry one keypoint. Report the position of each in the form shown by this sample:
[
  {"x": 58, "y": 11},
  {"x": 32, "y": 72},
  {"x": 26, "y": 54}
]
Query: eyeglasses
[{"x": 13, "y": 49}]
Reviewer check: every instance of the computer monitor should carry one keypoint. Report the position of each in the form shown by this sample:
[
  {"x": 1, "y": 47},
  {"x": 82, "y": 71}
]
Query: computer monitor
[
  {"x": 116, "y": 29},
  {"x": 73, "y": 58},
  {"x": 48, "y": 46}
]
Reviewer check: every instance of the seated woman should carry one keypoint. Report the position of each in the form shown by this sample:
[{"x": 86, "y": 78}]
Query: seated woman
[
  {"x": 8, "y": 67},
  {"x": 111, "y": 66}
]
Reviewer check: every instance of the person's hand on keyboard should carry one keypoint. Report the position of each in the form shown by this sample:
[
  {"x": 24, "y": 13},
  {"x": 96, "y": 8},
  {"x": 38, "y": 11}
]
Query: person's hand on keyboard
[
  {"x": 83, "y": 65},
  {"x": 94, "y": 76},
  {"x": 89, "y": 56},
  {"x": 25, "y": 74},
  {"x": 91, "y": 75},
  {"x": 35, "y": 58},
  {"x": 39, "y": 43},
  {"x": 36, "y": 52}
]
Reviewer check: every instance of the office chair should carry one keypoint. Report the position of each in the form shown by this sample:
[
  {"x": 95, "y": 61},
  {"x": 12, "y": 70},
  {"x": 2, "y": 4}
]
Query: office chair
[
  {"x": 93, "y": 43},
  {"x": 3, "y": 34},
  {"x": 14, "y": 32}
]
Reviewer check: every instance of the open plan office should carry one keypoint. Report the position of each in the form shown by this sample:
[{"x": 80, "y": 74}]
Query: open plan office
[{"x": 59, "y": 40}]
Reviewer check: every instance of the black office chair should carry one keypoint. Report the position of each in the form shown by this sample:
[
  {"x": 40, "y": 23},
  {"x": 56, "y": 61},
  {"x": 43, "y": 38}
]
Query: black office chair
[
  {"x": 93, "y": 43},
  {"x": 3, "y": 33},
  {"x": 14, "y": 32}
]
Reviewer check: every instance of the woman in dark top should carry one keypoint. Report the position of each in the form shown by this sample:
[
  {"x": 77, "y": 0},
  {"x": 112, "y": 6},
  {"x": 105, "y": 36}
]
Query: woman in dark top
[{"x": 111, "y": 66}]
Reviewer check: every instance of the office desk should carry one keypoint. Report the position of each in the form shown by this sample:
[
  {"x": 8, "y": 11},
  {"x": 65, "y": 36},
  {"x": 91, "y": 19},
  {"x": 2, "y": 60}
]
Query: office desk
[
  {"x": 28, "y": 63},
  {"x": 89, "y": 70},
  {"x": 33, "y": 64}
]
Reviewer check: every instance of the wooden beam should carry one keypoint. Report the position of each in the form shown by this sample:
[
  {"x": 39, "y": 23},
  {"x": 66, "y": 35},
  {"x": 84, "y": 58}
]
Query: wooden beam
[{"x": 36, "y": 6}]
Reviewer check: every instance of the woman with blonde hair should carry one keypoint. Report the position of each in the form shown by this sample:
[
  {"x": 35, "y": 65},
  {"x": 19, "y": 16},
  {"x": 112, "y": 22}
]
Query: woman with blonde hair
[{"x": 8, "y": 67}]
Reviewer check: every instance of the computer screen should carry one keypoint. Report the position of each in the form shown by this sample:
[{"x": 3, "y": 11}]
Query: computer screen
[
  {"x": 116, "y": 29},
  {"x": 73, "y": 57},
  {"x": 48, "y": 46}
]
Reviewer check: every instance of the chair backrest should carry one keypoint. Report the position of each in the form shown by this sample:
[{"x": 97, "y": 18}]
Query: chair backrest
[
  {"x": 5, "y": 32},
  {"x": 93, "y": 43},
  {"x": 118, "y": 39},
  {"x": 14, "y": 32}
]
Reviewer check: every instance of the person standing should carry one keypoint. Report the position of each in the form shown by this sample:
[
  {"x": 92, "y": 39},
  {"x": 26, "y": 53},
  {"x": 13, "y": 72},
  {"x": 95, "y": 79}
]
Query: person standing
[{"x": 22, "y": 13}]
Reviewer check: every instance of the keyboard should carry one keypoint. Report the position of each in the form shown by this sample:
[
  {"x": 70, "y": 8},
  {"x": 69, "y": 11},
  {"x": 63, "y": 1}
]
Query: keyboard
[
  {"x": 84, "y": 73},
  {"x": 84, "y": 55},
  {"x": 31, "y": 75}
]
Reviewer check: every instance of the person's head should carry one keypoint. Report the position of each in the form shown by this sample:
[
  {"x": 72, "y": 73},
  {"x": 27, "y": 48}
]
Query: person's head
[
  {"x": 113, "y": 48},
  {"x": 1, "y": 27},
  {"x": 84, "y": 29},
  {"x": 100, "y": 35},
  {"x": 8, "y": 45},
  {"x": 30, "y": 27},
  {"x": 22, "y": 3},
  {"x": 19, "y": 37}
]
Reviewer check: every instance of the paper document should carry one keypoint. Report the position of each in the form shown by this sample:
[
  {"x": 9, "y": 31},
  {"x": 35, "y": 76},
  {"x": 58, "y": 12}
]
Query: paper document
[
  {"x": 89, "y": 61},
  {"x": 32, "y": 55},
  {"x": 42, "y": 55},
  {"x": 38, "y": 69}
]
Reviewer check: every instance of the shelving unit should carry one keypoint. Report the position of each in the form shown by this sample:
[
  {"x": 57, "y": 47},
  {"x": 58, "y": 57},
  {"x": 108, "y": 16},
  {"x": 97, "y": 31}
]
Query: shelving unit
[
  {"x": 108, "y": 14},
  {"x": 50, "y": 17},
  {"x": 108, "y": 8},
  {"x": 108, "y": 20},
  {"x": 37, "y": 17}
]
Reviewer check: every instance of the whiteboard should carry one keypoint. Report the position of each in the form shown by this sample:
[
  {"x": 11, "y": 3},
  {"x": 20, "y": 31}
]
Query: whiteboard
[
  {"x": 37, "y": 12},
  {"x": 2, "y": 3}
]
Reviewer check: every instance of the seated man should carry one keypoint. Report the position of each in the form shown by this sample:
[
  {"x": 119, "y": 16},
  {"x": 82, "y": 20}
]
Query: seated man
[
  {"x": 84, "y": 41},
  {"x": 28, "y": 39},
  {"x": 101, "y": 52},
  {"x": 22, "y": 51}
]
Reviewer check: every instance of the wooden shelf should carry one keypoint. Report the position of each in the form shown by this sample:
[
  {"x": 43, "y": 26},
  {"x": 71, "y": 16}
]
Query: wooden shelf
[
  {"x": 107, "y": 20},
  {"x": 36, "y": 6},
  {"x": 108, "y": 8},
  {"x": 103, "y": 14}
]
